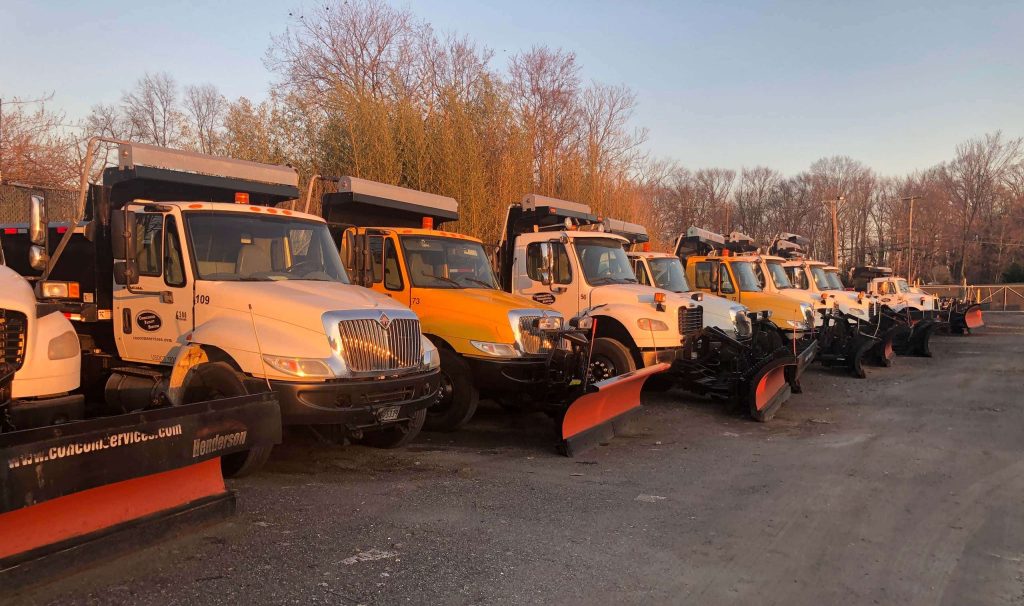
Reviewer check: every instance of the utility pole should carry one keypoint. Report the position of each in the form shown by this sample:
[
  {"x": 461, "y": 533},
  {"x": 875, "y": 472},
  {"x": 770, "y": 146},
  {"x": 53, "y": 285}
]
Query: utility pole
[
  {"x": 910, "y": 238},
  {"x": 834, "y": 207}
]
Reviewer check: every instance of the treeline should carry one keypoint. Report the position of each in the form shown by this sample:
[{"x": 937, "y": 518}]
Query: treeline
[{"x": 366, "y": 89}]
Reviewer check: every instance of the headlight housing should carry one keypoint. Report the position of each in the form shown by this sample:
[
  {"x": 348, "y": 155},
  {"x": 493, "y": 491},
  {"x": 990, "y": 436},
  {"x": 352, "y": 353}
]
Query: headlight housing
[
  {"x": 431, "y": 357},
  {"x": 497, "y": 350},
  {"x": 63, "y": 346},
  {"x": 808, "y": 312},
  {"x": 741, "y": 322},
  {"x": 304, "y": 368},
  {"x": 651, "y": 324},
  {"x": 548, "y": 323}
]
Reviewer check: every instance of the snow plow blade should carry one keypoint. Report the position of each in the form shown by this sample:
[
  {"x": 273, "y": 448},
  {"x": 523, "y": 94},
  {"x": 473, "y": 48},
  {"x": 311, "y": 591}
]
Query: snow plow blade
[
  {"x": 83, "y": 492},
  {"x": 769, "y": 388},
  {"x": 966, "y": 319},
  {"x": 606, "y": 409}
]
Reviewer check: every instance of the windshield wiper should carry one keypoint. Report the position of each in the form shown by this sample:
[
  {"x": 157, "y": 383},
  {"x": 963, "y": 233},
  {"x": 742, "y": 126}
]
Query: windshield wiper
[
  {"x": 449, "y": 280},
  {"x": 603, "y": 280},
  {"x": 480, "y": 282}
]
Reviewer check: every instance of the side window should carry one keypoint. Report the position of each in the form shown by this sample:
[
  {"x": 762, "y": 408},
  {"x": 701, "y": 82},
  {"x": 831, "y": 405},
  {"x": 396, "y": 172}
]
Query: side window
[
  {"x": 174, "y": 268},
  {"x": 760, "y": 276},
  {"x": 392, "y": 271},
  {"x": 376, "y": 245},
  {"x": 148, "y": 242},
  {"x": 641, "y": 272},
  {"x": 535, "y": 263},
  {"x": 702, "y": 275},
  {"x": 725, "y": 280}
]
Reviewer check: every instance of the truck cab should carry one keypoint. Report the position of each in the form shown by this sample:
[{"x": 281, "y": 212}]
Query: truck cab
[
  {"x": 191, "y": 283},
  {"x": 556, "y": 253},
  {"x": 814, "y": 277}
]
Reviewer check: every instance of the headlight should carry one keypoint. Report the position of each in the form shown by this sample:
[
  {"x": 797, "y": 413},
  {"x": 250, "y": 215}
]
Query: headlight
[
  {"x": 741, "y": 322},
  {"x": 431, "y": 357},
  {"x": 650, "y": 324},
  {"x": 299, "y": 367},
  {"x": 583, "y": 322},
  {"x": 59, "y": 290},
  {"x": 549, "y": 323},
  {"x": 498, "y": 350},
  {"x": 808, "y": 312},
  {"x": 799, "y": 325},
  {"x": 63, "y": 346}
]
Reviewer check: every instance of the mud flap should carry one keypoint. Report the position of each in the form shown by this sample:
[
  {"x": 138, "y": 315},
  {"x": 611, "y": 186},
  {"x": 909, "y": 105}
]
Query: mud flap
[
  {"x": 606, "y": 409},
  {"x": 68, "y": 489},
  {"x": 769, "y": 388}
]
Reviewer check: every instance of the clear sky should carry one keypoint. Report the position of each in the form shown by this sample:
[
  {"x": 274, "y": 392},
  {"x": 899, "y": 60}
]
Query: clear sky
[{"x": 895, "y": 84}]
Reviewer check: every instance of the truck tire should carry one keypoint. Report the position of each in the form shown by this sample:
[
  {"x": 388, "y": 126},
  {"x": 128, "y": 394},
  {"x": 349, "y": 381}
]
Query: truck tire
[
  {"x": 609, "y": 358},
  {"x": 215, "y": 381},
  {"x": 459, "y": 396},
  {"x": 397, "y": 435}
]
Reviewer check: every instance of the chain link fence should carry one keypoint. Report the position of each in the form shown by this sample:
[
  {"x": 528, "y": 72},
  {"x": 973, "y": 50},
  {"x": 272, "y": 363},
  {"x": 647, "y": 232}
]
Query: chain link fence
[{"x": 60, "y": 203}]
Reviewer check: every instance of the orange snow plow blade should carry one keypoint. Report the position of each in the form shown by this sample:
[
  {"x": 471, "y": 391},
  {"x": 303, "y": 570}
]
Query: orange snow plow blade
[
  {"x": 604, "y": 410},
  {"x": 769, "y": 389},
  {"x": 973, "y": 317}
]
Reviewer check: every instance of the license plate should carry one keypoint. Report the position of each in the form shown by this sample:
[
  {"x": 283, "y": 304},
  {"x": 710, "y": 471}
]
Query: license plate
[{"x": 388, "y": 414}]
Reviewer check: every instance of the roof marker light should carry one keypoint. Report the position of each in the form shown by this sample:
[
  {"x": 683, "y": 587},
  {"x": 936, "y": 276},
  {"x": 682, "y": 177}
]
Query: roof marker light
[
  {"x": 241, "y": 197},
  {"x": 428, "y": 222}
]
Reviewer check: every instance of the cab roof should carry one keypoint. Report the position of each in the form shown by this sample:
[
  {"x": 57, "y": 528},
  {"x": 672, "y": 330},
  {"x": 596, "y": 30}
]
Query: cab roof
[{"x": 191, "y": 206}]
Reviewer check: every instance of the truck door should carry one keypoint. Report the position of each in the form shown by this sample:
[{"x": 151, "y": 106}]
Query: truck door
[
  {"x": 563, "y": 293},
  {"x": 153, "y": 317}
]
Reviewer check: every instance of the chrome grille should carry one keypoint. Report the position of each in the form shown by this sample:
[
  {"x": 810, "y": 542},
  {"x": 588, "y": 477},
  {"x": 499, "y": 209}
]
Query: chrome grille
[
  {"x": 13, "y": 326},
  {"x": 691, "y": 319},
  {"x": 370, "y": 347}
]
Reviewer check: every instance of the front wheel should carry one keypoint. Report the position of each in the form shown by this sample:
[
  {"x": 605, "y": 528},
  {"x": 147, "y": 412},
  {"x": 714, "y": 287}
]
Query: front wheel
[
  {"x": 458, "y": 398},
  {"x": 216, "y": 381},
  {"x": 397, "y": 435},
  {"x": 609, "y": 358}
]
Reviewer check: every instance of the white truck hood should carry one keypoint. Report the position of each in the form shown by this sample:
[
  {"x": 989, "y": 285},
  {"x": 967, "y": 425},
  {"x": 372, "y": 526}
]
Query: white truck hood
[
  {"x": 298, "y": 302},
  {"x": 17, "y": 292}
]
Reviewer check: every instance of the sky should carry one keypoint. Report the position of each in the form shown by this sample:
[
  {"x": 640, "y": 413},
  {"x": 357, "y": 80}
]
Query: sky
[{"x": 894, "y": 84}]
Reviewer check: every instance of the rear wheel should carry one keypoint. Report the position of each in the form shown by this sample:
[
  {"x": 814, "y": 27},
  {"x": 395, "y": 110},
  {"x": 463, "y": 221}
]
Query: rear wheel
[
  {"x": 459, "y": 397},
  {"x": 216, "y": 381},
  {"x": 609, "y": 358},
  {"x": 397, "y": 435}
]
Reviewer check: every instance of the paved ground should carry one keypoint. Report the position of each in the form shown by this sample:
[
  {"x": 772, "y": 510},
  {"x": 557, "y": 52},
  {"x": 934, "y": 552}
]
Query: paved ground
[{"x": 905, "y": 488}]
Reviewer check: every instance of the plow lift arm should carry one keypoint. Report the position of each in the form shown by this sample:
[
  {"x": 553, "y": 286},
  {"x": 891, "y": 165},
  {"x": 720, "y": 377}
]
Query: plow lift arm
[{"x": 97, "y": 482}]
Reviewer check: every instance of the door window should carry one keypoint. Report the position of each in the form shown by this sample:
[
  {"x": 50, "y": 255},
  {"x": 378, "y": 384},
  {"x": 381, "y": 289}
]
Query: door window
[
  {"x": 392, "y": 271},
  {"x": 702, "y": 275},
  {"x": 174, "y": 268},
  {"x": 148, "y": 242},
  {"x": 725, "y": 280}
]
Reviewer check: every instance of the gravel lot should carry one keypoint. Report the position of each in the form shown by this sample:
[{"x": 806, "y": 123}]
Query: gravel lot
[{"x": 905, "y": 488}]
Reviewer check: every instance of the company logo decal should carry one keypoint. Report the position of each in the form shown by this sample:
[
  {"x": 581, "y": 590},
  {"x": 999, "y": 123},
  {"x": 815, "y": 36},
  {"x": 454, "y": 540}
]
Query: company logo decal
[
  {"x": 544, "y": 297},
  {"x": 384, "y": 321},
  {"x": 148, "y": 321}
]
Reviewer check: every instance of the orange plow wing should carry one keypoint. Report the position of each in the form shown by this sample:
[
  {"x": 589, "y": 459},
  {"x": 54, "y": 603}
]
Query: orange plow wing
[
  {"x": 604, "y": 410},
  {"x": 769, "y": 389},
  {"x": 973, "y": 317}
]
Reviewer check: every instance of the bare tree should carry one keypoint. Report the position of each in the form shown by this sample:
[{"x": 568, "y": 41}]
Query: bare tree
[
  {"x": 153, "y": 111},
  {"x": 206, "y": 109}
]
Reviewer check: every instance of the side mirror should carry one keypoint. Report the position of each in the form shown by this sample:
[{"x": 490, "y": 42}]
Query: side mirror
[
  {"x": 37, "y": 221},
  {"x": 122, "y": 235},
  {"x": 547, "y": 272},
  {"x": 126, "y": 273},
  {"x": 38, "y": 257}
]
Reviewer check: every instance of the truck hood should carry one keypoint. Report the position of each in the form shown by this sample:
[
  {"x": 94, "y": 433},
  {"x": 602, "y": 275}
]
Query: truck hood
[
  {"x": 637, "y": 294},
  {"x": 298, "y": 302},
  {"x": 18, "y": 294},
  {"x": 466, "y": 314}
]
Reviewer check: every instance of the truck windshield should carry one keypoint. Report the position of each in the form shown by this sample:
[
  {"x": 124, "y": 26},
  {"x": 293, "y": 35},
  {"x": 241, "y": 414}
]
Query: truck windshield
[
  {"x": 434, "y": 262},
  {"x": 834, "y": 280},
  {"x": 779, "y": 276},
  {"x": 604, "y": 261},
  {"x": 745, "y": 276},
  {"x": 821, "y": 278},
  {"x": 668, "y": 274},
  {"x": 236, "y": 247}
]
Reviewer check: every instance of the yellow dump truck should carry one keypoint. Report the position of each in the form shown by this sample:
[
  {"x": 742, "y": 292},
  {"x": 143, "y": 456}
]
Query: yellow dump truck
[{"x": 492, "y": 343}]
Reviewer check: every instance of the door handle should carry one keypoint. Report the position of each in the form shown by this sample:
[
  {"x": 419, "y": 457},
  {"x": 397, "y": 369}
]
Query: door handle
[
  {"x": 126, "y": 321},
  {"x": 166, "y": 296}
]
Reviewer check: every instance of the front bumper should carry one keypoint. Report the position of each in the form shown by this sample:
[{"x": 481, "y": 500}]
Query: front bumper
[
  {"x": 508, "y": 375},
  {"x": 663, "y": 356},
  {"x": 356, "y": 403}
]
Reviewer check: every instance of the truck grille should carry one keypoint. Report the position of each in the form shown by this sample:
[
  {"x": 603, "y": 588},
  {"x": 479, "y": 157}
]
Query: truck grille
[
  {"x": 691, "y": 319},
  {"x": 370, "y": 347},
  {"x": 531, "y": 340},
  {"x": 13, "y": 326}
]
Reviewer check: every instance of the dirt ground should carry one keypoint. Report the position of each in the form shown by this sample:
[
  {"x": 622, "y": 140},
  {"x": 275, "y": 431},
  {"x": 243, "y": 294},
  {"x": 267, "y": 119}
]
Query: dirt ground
[{"x": 905, "y": 488}]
